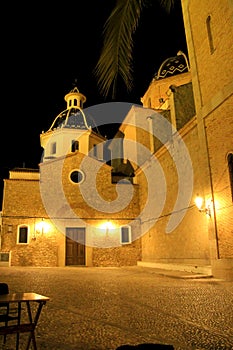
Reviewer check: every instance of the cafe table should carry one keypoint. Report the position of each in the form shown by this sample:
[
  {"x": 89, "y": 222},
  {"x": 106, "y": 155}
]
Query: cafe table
[{"x": 33, "y": 314}]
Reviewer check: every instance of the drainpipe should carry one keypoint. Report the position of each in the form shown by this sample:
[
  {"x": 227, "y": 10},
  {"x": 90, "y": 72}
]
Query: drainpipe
[{"x": 212, "y": 197}]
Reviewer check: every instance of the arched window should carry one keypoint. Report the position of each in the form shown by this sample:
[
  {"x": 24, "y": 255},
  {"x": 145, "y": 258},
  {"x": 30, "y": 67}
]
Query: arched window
[
  {"x": 74, "y": 146},
  {"x": 230, "y": 168},
  {"x": 210, "y": 34},
  {"x": 23, "y": 234}
]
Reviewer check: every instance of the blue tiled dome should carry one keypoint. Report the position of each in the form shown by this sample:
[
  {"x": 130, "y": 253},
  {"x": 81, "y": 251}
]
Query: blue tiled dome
[
  {"x": 172, "y": 66},
  {"x": 73, "y": 116}
]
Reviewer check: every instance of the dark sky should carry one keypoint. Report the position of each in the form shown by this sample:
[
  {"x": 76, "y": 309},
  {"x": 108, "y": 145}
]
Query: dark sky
[{"x": 46, "y": 47}]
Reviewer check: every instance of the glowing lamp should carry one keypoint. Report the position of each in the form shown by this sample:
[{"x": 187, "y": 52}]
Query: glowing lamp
[
  {"x": 199, "y": 204},
  {"x": 42, "y": 227}
]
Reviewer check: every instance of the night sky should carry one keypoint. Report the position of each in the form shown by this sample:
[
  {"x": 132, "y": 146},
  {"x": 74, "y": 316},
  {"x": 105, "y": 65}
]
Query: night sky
[{"x": 46, "y": 47}]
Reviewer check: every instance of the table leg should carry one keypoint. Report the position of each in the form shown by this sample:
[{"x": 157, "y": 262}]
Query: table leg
[
  {"x": 19, "y": 319},
  {"x": 34, "y": 323}
]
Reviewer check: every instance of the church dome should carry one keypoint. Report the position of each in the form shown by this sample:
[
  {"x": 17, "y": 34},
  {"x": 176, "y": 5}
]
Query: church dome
[
  {"x": 73, "y": 116},
  {"x": 173, "y": 66}
]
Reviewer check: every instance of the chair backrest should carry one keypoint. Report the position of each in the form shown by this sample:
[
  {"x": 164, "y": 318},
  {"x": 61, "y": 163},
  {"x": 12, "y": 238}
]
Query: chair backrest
[{"x": 4, "y": 289}]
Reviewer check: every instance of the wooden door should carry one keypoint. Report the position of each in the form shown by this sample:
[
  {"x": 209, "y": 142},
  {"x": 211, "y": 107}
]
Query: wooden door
[{"x": 75, "y": 246}]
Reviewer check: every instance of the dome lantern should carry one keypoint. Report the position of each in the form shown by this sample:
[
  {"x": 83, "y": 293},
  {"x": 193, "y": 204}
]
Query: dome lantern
[{"x": 75, "y": 99}]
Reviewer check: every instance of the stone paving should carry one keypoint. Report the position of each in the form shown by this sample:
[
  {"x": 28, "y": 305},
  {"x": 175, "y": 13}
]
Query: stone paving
[{"x": 105, "y": 308}]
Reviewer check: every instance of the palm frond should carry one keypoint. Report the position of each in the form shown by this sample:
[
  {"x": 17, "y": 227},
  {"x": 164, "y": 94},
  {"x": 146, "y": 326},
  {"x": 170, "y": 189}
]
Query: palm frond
[
  {"x": 116, "y": 56},
  {"x": 168, "y": 5}
]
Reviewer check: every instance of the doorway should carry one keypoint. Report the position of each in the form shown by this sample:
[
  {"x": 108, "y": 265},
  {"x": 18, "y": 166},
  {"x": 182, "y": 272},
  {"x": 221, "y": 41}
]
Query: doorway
[{"x": 75, "y": 246}]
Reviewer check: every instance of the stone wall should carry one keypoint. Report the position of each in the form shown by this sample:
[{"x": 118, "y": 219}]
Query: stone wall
[
  {"x": 212, "y": 76},
  {"x": 213, "y": 69},
  {"x": 126, "y": 255},
  {"x": 157, "y": 90},
  {"x": 59, "y": 203},
  {"x": 188, "y": 242},
  {"x": 219, "y": 129}
]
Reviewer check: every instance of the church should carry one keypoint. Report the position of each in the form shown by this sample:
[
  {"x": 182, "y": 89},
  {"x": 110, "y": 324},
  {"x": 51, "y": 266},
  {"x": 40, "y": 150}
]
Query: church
[{"x": 165, "y": 197}]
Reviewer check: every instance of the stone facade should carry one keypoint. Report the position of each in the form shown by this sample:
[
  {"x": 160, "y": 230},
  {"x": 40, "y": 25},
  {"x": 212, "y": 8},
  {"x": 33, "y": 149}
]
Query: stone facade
[
  {"x": 27, "y": 202},
  {"x": 157, "y": 93},
  {"x": 180, "y": 142},
  {"x": 209, "y": 34},
  {"x": 179, "y": 157},
  {"x": 198, "y": 104},
  {"x": 70, "y": 211}
]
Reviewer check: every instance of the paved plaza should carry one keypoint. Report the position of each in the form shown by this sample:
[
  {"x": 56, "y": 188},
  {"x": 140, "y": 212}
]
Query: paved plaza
[{"x": 105, "y": 308}]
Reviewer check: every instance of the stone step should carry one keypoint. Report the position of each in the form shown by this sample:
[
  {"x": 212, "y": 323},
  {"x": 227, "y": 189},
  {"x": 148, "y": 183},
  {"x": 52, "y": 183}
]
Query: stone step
[{"x": 190, "y": 268}]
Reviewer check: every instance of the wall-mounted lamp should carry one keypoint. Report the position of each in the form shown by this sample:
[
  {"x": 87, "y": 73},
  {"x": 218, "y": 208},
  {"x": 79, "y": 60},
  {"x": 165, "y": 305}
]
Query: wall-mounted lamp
[
  {"x": 107, "y": 225},
  {"x": 199, "y": 204},
  {"x": 42, "y": 227}
]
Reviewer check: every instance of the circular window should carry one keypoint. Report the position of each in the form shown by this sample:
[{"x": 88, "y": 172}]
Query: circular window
[{"x": 76, "y": 176}]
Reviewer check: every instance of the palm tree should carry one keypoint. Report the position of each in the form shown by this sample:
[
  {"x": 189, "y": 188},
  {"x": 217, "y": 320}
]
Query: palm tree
[{"x": 116, "y": 56}]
